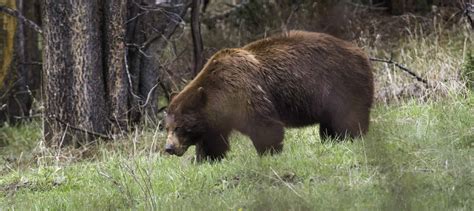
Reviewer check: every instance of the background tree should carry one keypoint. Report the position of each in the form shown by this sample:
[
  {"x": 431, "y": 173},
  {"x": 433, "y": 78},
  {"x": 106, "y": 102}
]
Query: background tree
[
  {"x": 150, "y": 26},
  {"x": 20, "y": 69},
  {"x": 93, "y": 86},
  {"x": 73, "y": 79}
]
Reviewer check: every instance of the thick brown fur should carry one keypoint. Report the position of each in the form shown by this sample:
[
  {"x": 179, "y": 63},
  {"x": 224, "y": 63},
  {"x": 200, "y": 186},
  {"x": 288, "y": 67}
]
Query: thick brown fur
[{"x": 292, "y": 80}]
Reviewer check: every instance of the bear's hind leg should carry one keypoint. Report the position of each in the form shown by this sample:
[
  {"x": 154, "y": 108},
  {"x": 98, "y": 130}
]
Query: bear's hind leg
[
  {"x": 351, "y": 125},
  {"x": 326, "y": 132},
  {"x": 267, "y": 137}
]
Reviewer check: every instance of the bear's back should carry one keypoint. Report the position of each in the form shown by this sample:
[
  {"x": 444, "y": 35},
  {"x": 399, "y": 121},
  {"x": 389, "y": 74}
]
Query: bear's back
[{"x": 304, "y": 70}]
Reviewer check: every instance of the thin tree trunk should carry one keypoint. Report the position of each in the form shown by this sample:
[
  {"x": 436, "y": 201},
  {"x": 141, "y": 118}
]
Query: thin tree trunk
[
  {"x": 19, "y": 95},
  {"x": 57, "y": 80},
  {"x": 148, "y": 32},
  {"x": 16, "y": 75},
  {"x": 114, "y": 51},
  {"x": 32, "y": 52},
  {"x": 197, "y": 38},
  {"x": 89, "y": 88}
]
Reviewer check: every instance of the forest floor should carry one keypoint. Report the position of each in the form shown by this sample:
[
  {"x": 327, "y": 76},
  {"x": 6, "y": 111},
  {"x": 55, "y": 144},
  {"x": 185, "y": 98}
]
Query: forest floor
[{"x": 417, "y": 155}]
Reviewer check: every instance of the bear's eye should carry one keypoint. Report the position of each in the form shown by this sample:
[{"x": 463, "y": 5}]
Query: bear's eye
[{"x": 182, "y": 130}]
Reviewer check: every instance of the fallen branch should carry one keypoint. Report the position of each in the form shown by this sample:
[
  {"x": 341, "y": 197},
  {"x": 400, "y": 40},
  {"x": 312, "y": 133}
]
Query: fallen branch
[
  {"x": 17, "y": 14},
  {"x": 96, "y": 134},
  {"x": 371, "y": 7},
  {"x": 410, "y": 72}
]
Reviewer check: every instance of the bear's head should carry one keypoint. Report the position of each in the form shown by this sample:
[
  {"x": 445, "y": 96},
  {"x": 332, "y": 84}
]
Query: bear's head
[{"x": 185, "y": 120}]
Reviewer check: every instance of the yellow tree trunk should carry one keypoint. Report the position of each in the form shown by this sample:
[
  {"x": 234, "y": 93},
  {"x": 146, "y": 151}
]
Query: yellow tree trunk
[{"x": 7, "y": 30}]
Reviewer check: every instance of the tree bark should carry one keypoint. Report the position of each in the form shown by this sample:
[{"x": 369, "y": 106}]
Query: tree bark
[
  {"x": 89, "y": 85},
  {"x": 74, "y": 89},
  {"x": 114, "y": 53}
]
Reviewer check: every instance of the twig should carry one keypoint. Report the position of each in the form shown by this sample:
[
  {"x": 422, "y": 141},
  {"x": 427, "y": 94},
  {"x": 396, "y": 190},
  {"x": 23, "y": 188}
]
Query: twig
[
  {"x": 139, "y": 48},
  {"x": 287, "y": 184},
  {"x": 96, "y": 134},
  {"x": 165, "y": 90},
  {"x": 162, "y": 109},
  {"x": 137, "y": 16},
  {"x": 17, "y": 14},
  {"x": 130, "y": 84},
  {"x": 32, "y": 63},
  {"x": 372, "y": 7},
  {"x": 418, "y": 78},
  {"x": 149, "y": 95},
  {"x": 161, "y": 6},
  {"x": 28, "y": 117}
]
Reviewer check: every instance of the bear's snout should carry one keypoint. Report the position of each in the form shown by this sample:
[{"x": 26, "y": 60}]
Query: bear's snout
[
  {"x": 175, "y": 149},
  {"x": 170, "y": 149}
]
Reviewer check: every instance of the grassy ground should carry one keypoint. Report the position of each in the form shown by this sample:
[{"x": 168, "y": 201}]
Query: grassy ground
[{"x": 417, "y": 155}]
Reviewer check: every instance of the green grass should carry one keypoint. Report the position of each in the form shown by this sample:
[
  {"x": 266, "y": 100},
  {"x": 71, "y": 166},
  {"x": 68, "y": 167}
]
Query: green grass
[{"x": 417, "y": 155}]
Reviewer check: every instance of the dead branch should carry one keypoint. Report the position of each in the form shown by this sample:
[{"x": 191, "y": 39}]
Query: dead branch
[
  {"x": 410, "y": 72},
  {"x": 165, "y": 90},
  {"x": 168, "y": 30},
  {"x": 137, "y": 16},
  {"x": 149, "y": 95},
  {"x": 375, "y": 7},
  {"x": 160, "y": 6},
  {"x": 32, "y": 63},
  {"x": 162, "y": 109},
  {"x": 17, "y": 14},
  {"x": 96, "y": 134},
  {"x": 469, "y": 13}
]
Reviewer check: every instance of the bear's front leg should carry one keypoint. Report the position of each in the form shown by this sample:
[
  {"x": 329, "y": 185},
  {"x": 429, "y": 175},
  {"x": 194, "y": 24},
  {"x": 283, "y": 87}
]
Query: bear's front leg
[{"x": 213, "y": 148}]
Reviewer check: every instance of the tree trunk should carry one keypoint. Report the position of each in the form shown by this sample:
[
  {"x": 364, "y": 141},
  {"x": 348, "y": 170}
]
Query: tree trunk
[
  {"x": 114, "y": 52},
  {"x": 74, "y": 89},
  {"x": 197, "y": 38},
  {"x": 89, "y": 86},
  {"x": 148, "y": 32},
  {"x": 32, "y": 51}
]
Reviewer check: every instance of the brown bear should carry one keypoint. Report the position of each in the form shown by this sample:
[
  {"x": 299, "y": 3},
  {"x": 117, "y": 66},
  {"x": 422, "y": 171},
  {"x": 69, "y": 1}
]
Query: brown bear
[{"x": 292, "y": 80}]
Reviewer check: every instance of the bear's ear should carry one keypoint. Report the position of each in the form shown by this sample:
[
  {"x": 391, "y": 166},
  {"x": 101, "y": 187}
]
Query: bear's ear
[
  {"x": 172, "y": 96},
  {"x": 195, "y": 101},
  {"x": 202, "y": 96}
]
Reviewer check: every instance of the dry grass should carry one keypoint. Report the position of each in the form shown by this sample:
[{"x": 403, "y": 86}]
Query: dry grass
[
  {"x": 435, "y": 50},
  {"x": 435, "y": 46}
]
